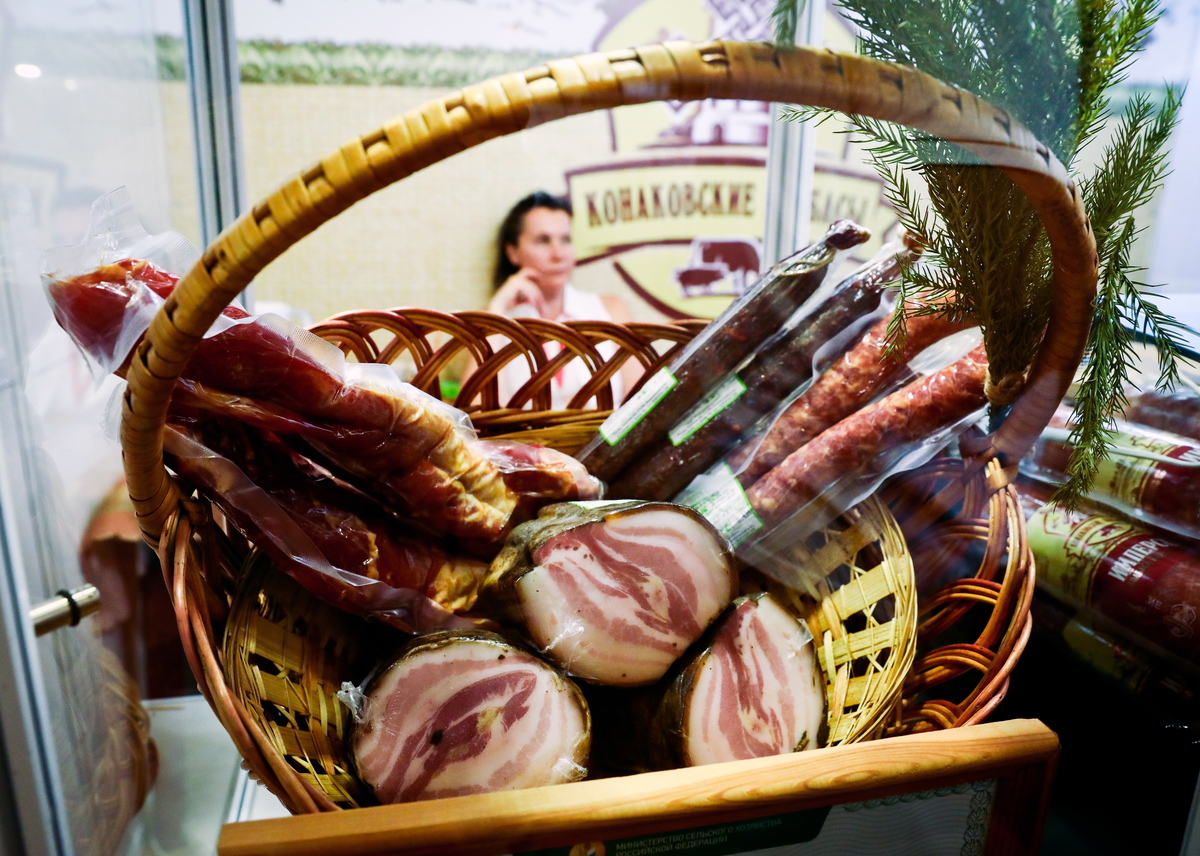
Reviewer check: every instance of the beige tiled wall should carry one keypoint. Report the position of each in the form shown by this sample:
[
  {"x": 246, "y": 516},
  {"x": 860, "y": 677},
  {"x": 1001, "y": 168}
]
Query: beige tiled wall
[{"x": 427, "y": 240}]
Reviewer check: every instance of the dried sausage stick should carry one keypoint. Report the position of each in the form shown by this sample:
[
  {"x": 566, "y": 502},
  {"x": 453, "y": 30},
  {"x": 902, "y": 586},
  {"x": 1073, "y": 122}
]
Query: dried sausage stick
[
  {"x": 922, "y": 407},
  {"x": 841, "y": 390},
  {"x": 726, "y": 342},
  {"x": 667, "y": 466}
]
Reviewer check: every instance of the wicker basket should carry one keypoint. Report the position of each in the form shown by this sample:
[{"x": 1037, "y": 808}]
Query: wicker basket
[{"x": 945, "y": 510}]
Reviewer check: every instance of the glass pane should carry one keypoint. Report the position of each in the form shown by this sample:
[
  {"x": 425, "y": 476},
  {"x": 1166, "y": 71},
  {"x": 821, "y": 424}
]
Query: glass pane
[
  {"x": 85, "y": 112},
  {"x": 675, "y": 241}
]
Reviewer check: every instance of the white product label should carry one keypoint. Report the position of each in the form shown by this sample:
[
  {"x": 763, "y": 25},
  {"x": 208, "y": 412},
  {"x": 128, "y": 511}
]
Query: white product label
[
  {"x": 717, "y": 400},
  {"x": 720, "y": 499},
  {"x": 633, "y": 411}
]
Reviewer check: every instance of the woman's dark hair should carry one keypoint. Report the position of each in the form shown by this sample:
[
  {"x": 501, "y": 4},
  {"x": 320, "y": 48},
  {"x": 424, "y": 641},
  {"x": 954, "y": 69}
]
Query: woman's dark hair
[{"x": 514, "y": 222}]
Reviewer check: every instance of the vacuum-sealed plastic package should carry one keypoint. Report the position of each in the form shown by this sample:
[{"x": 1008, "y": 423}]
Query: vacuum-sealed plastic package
[
  {"x": 833, "y": 319},
  {"x": 755, "y": 316},
  {"x": 386, "y": 434},
  {"x": 758, "y": 660},
  {"x": 1150, "y": 475},
  {"x": 868, "y": 415},
  {"x": 363, "y": 563},
  {"x": 613, "y": 592},
  {"x": 467, "y": 712},
  {"x": 115, "y": 235}
]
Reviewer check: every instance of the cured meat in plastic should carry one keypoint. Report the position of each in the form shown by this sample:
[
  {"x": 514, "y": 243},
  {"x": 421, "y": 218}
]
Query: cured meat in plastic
[
  {"x": 732, "y": 337},
  {"x": 361, "y": 417},
  {"x": 907, "y": 416},
  {"x": 752, "y": 687},
  {"x": 842, "y": 389},
  {"x": 782, "y": 364},
  {"x": 615, "y": 593},
  {"x": 463, "y": 713}
]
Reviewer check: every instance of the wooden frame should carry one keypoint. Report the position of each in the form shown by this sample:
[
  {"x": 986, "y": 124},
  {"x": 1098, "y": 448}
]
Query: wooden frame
[{"x": 1020, "y": 755}]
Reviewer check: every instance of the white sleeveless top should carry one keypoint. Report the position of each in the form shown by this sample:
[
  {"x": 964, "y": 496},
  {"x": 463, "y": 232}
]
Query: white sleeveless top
[{"x": 577, "y": 306}]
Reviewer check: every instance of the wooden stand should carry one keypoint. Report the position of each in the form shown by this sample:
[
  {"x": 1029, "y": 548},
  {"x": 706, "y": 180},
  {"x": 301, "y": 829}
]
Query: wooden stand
[{"x": 1019, "y": 755}]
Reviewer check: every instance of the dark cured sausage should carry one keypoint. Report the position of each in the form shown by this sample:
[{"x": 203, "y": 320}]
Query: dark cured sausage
[
  {"x": 1177, "y": 412},
  {"x": 667, "y": 465},
  {"x": 753, "y": 317},
  {"x": 903, "y": 417},
  {"x": 840, "y": 391}
]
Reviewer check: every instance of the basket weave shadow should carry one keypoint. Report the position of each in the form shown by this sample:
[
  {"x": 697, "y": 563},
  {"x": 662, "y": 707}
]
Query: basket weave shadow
[{"x": 951, "y": 512}]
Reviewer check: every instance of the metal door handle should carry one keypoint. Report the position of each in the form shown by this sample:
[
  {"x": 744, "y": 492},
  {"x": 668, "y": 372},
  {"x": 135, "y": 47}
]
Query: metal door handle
[{"x": 66, "y": 609}]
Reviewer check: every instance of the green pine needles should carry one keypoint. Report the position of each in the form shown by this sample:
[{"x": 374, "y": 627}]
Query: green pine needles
[{"x": 1051, "y": 64}]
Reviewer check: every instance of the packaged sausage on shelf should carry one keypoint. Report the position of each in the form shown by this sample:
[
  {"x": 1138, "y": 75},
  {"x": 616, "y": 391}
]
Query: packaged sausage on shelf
[
  {"x": 1142, "y": 581},
  {"x": 1151, "y": 475}
]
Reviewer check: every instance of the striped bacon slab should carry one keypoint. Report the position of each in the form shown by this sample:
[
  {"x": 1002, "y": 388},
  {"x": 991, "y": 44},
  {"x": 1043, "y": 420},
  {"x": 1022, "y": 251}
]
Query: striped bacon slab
[
  {"x": 613, "y": 594},
  {"x": 465, "y": 712},
  {"x": 757, "y": 690}
]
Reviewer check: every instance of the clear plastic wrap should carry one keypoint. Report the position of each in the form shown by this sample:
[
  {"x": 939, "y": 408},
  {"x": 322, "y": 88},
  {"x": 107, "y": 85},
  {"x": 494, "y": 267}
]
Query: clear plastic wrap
[
  {"x": 461, "y": 713},
  {"x": 611, "y": 591},
  {"x": 541, "y": 474},
  {"x": 386, "y": 434},
  {"x": 855, "y": 377},
  {"x": 1150, "y": 475},
  {"x": 115, "y": 234},
  {"x": 839, "y": 467},
  {"x": 833, "y": 319},
  {"x": 362, "y": 564}
]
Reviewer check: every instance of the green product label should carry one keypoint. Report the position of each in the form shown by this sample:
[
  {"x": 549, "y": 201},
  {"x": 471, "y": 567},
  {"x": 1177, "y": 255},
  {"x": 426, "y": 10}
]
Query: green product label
[
  {"x": 717, "y": 840},
  {"x": 721, "y": 500},
  {"x": 1105, "y": 654},
  {"x": 623, "y": 419},
  {"x": 1061, "y": 543},
  {"x": 1124, "y": 477},
  {"x": 726, "y": 393}
]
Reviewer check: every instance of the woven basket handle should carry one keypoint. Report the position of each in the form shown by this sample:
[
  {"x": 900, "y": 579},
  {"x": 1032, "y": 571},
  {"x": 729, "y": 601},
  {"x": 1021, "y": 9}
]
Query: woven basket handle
[{"x": 679, "y": 71}]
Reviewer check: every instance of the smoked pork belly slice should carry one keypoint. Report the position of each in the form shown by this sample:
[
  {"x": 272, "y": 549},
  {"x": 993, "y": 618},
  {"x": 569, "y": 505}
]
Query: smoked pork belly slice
[
  {"x": 466, "y": 712},
  {"x": 750, "y": 688},
  {"x": 612, "y": 592},
  {"x": 756, "y": 690}
]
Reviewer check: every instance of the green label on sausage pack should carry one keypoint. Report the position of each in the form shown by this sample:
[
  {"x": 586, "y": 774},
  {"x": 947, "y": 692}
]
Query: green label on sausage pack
[
  {"x": 713, "y": 404},
  {"x": 720, "y": 499},
  {"x": 623, "y": 419}
]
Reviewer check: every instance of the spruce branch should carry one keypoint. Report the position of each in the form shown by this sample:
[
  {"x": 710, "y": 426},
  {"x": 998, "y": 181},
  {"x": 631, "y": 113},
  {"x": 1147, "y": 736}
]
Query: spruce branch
[
  {"x": 1050, "y": 63},
  {"x": 1122, "y": 309}
]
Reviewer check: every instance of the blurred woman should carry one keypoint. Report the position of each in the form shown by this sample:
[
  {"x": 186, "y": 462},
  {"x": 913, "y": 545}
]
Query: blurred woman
[{"x": 535, "y": 261}]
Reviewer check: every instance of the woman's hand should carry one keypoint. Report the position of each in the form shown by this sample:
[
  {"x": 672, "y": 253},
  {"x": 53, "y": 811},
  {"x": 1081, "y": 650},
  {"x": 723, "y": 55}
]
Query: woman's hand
[{"x": 520, "y": 288}]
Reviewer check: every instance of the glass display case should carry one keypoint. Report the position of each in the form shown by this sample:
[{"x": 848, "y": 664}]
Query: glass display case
[{"x": 198, "y": 109}]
